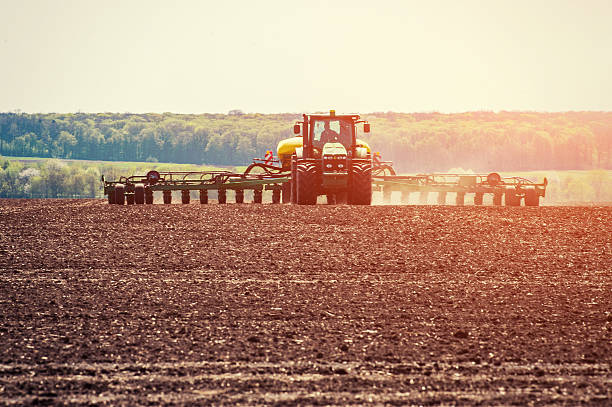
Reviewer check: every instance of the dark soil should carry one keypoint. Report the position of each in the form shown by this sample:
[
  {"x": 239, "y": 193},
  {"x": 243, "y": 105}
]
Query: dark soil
[{"x": 287, "y": 305}]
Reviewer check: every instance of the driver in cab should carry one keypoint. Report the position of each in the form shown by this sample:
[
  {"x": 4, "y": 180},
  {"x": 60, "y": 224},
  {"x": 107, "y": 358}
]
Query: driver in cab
[{"x": 328, "y": 135}]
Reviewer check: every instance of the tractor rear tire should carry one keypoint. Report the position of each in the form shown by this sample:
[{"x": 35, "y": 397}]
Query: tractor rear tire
[
  {"x": 119, "y": 194},
  {"x": 360, "y": 184},
  {"x": 293, "y": 180},
  {"x": 478, "y": 198},
  {"x": 340, "y": 198},
  {"x": 331, "y": 199},
  {"x": 511, "y": 198},
  {"x": 306, "y": 183},
  {"x": 532, "y": 198},
  {"x": 129, "y": 199},
  {"x": 139, "y": 194},
  {"x": 167, "y": 197}
]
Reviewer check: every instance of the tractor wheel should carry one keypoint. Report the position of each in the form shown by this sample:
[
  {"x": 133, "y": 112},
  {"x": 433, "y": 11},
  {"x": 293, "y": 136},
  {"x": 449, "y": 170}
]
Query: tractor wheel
[
  {"x": 511, "y": 198},
  {"x": 532, "y": 198},
  {"x": 129, "y": 199},
  {"x": 119, "y": 194},
  {"x": 497, "y": 199},
  {"x": 331, "y": 199},
  {"x": 185, "y": 196},
  {"x": 221, "y": 196},
  {"x": 167, "y": 197},
  {"x": 276, "y": 196},
  {"x": 239, "y": 194},
  {"x": 293, "y": 180},
  {"x": 360, "y": 184},
  {"x": 441, "y": 198},
  {"x": 478, "y": 198},
  {"x": 257, "y": 196},
  {"x": 341, "y": 198},
  {"x": 139, "y": 194},
  {"x": 203, "y": 196},
  {"x": 306, "y": 183},
  {"x": 405, "y": 197},
  {"x": 148, "y": 196},
  {"x": 286, "y": 192},
  {"x": 460, "y": 199},
  {"x": 111, "y": 197}
]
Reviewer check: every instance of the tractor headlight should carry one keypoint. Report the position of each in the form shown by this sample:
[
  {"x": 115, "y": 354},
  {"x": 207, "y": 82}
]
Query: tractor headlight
[
  {"x": 328, "y": 165},
  {"x": 340, "y": 165}
]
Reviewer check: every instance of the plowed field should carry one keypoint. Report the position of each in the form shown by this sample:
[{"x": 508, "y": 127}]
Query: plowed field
[{"x": 287, "y": 305}]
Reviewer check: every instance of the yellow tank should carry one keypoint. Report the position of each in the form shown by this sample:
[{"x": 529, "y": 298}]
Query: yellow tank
[
  {"x": 361, "y": 143},
  {"x": 286, "y": 148}
]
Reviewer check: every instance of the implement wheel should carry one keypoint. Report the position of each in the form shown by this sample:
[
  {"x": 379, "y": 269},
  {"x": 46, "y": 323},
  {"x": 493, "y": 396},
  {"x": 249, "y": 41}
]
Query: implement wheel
[
  {"x": 167, "y": 197},
  {"x": 258, "y": 196},
  {"x": 497, "y": 199},
  {"x": 306, "y": 183},
  {"x": 511, "y": 198},
  {"x": 221, "y": 196},
  {"x": 129, "y": 199},
  {"x": 119, "y": 194},
  {"x": 111, "y": 197},
  {"x": 276, "y": 196},
  {"x": 185, "y": 196},
  {"x": 239, "y": 194},
  {"x": 441, "y": 198},
  {"x": 203, "y": 196},
  {"x": 148, "y": 196},
  {"x": 139, "y": 194},
  {"x": 478, "y": 198},
  {"x": 460, "y": 199},
  {"x": 532, "y": 198},
  {"x": 360, "y": 184}
]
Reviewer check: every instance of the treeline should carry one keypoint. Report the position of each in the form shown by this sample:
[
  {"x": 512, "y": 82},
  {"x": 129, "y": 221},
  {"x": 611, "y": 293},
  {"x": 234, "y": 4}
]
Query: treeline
[
  {"x": 418, "y": 142},
  {"x": 54, "y": 178},
  {"x": 48, "y": 179}
]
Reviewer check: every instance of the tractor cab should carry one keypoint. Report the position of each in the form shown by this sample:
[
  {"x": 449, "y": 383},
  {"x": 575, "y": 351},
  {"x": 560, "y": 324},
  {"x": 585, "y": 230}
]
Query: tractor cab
[{"x": 318, "y": 130}]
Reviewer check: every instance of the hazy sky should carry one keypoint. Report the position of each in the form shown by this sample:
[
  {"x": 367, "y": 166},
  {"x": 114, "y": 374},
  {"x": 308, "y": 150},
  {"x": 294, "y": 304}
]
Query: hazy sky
[{"x": 293, "y": 56}]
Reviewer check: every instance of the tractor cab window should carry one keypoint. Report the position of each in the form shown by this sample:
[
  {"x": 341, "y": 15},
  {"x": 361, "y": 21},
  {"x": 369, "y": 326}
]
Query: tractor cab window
[{"x": 331, "y": 131}]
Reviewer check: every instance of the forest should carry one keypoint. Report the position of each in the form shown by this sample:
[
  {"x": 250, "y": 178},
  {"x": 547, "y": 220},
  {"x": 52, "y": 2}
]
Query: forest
[{"x": 415, "y": 142}]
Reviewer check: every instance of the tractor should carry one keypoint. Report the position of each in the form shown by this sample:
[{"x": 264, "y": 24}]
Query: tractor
[{"x": 327, "y": 158}]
